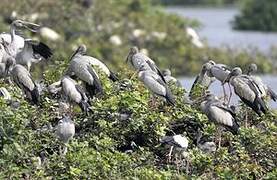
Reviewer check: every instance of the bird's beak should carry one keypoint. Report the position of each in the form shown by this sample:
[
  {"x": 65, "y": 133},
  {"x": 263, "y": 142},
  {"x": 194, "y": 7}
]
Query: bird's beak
[{"x": 32, "y": 26}]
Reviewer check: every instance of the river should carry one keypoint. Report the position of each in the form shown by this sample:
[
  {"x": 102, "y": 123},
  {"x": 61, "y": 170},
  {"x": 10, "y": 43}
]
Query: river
[{"x": 217, "y": 30}]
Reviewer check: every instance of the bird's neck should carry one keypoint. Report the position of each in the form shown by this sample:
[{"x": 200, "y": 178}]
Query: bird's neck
[{"x": 12, "y": 31}]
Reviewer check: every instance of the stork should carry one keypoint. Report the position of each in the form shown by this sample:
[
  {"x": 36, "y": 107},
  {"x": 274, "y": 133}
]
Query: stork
[
  {"x": 138, "y": 59},
  {"x": 220, "y": 114},
  {"x": 25, "y": 82},
  {"x": 65, "y": 131},
  {"x": 81, "y": 68},
  {"x": 155, "y": 84},
  {"x": 74, "y": 93},
  {"x": 252, "y": 68},
  {"x": 248, "y": 91}
]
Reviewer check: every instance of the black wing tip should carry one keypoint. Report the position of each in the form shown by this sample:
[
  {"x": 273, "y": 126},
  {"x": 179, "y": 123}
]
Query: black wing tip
[
  {"x": 35, "y": 96},
  {"x": 84, "y": 106},
  {"x": 113, "y": 77},
  {"x": 43, "y": 50}
]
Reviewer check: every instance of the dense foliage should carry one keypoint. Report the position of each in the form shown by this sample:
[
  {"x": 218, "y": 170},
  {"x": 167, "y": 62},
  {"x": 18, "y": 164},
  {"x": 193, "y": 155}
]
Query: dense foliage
[
  {"x": 120, "y": 139},
  {"x": 134, "y": 22},
  {"x": 257, "y": 15},
  {"x": 197, "y": 2}
]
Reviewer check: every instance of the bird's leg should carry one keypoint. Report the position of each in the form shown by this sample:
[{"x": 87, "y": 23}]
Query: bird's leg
[
  {"x": 219, "y": 138},
  {"x": 65, "y": 149},
  {"x": 224, "y": 92},
  {"x": 169, "y": 155},
  {"x": 246, "y": 117},
  {"x": 230, "y": 89}
]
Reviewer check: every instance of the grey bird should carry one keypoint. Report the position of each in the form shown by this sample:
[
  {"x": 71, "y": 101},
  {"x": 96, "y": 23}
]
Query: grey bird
[
  {"x": 138, "y": 59},
  {"x": 74, "y": 93},
  {"x": 248, "y": 91},
  {"x": 81, "y": 68},
  {"x": 25, "y": 82},
  {"x": 220, "y": 72},
  {"x": 169, "y": 78},
  {"x": 202, "y": 78},
  {"x": 65, "y": 131},
  {"x": 96, "y": 62},
  {"x": 155, "y": 84},
  {"x": 204, "y": 145},
  {"x": 252, "y": 68},
  {"x": 219, "y": 113},
  {"x": 33, "y": 52}
]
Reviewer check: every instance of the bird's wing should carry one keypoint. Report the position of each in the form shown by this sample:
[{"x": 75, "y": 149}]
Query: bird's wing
[
  {"x": 225, "y": 108},
  {"x": 81, "y": 91},
  {"x": 96, "y": 80},
  {"x": 155, "y": 68},
  {"x": 40, "y": 48}
]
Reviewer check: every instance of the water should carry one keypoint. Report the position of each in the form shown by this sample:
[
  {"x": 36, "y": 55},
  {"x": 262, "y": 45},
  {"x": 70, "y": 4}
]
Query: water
[
  {"x": 217, "y": 28},
  {"x": 217, "y": 89}
]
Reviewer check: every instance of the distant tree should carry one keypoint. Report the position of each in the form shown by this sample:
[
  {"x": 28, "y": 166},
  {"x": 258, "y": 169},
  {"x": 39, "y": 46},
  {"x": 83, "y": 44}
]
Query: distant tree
[{"x": 257, "y": 15}]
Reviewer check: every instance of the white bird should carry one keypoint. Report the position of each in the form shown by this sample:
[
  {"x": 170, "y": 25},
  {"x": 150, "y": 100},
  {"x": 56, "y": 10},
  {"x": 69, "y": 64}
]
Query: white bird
[
  {"x": 177, "y": 142},
  {"x": 74, "y": 93},
  {"x": 65, "y": 131},
  {"x": 25, "y": 82},
  {"x": 194, "y": 37},
  {"x": 5, "y": 93},
  {"x": 48, "y": 33},
  {"x": 139, "y": 59},
  {"x": 15, "y": 41},
  {"x": 252, "y": 68},
  {"x": 248, "y": 91},
  {"x": 155, "y": 84},
  {"x": 81, "y": 67}
]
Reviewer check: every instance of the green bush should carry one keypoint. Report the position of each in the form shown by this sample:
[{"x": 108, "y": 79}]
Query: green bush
[{"x": 257, "y": 15}]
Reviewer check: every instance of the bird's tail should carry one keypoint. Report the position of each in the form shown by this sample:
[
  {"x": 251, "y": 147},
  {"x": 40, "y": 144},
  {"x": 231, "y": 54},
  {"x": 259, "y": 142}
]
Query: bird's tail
[
  {"x": 235, "y": 128},
  {"x": 261, "y": 104},
  {"x": 43, "y": 50},
  {"x": 272, "y": 94},
  {"x": 94, "y": 90},
  {"x": 84, "y": 105},
  {"x": 169, "y": 97},
  {"x": 35, "y": 96},
  {"x": 113, "y": 77}
]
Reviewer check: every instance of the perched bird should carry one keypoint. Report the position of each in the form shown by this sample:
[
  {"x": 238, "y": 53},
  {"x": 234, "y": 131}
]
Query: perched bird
[
  {"x": 155, "y": 84},
  {"x": 138, "y": 59},
  {"x": 204, "y": 145},
  {"x": 5, "y": 94},
  {"x": 252, "y": 68},
  {"x": 220, "y": 114},
  {"x": 24, "y": 81},
  {"x": 179, "y": 142},
  {"x": 81, "y": 68},
  {"x": 33, "y": 52},
  {"x": 202, "y": 78},
  {"x": 65, "y": 131},
  {"x": 95, "y": 62},
  {"x": 248, "y": 91},
  {"x": 74, "y": 93},
  {"x": 15, "y": 41},
  {"x": 219, "y": 72},
  {"x": 168, "y": 78}
]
